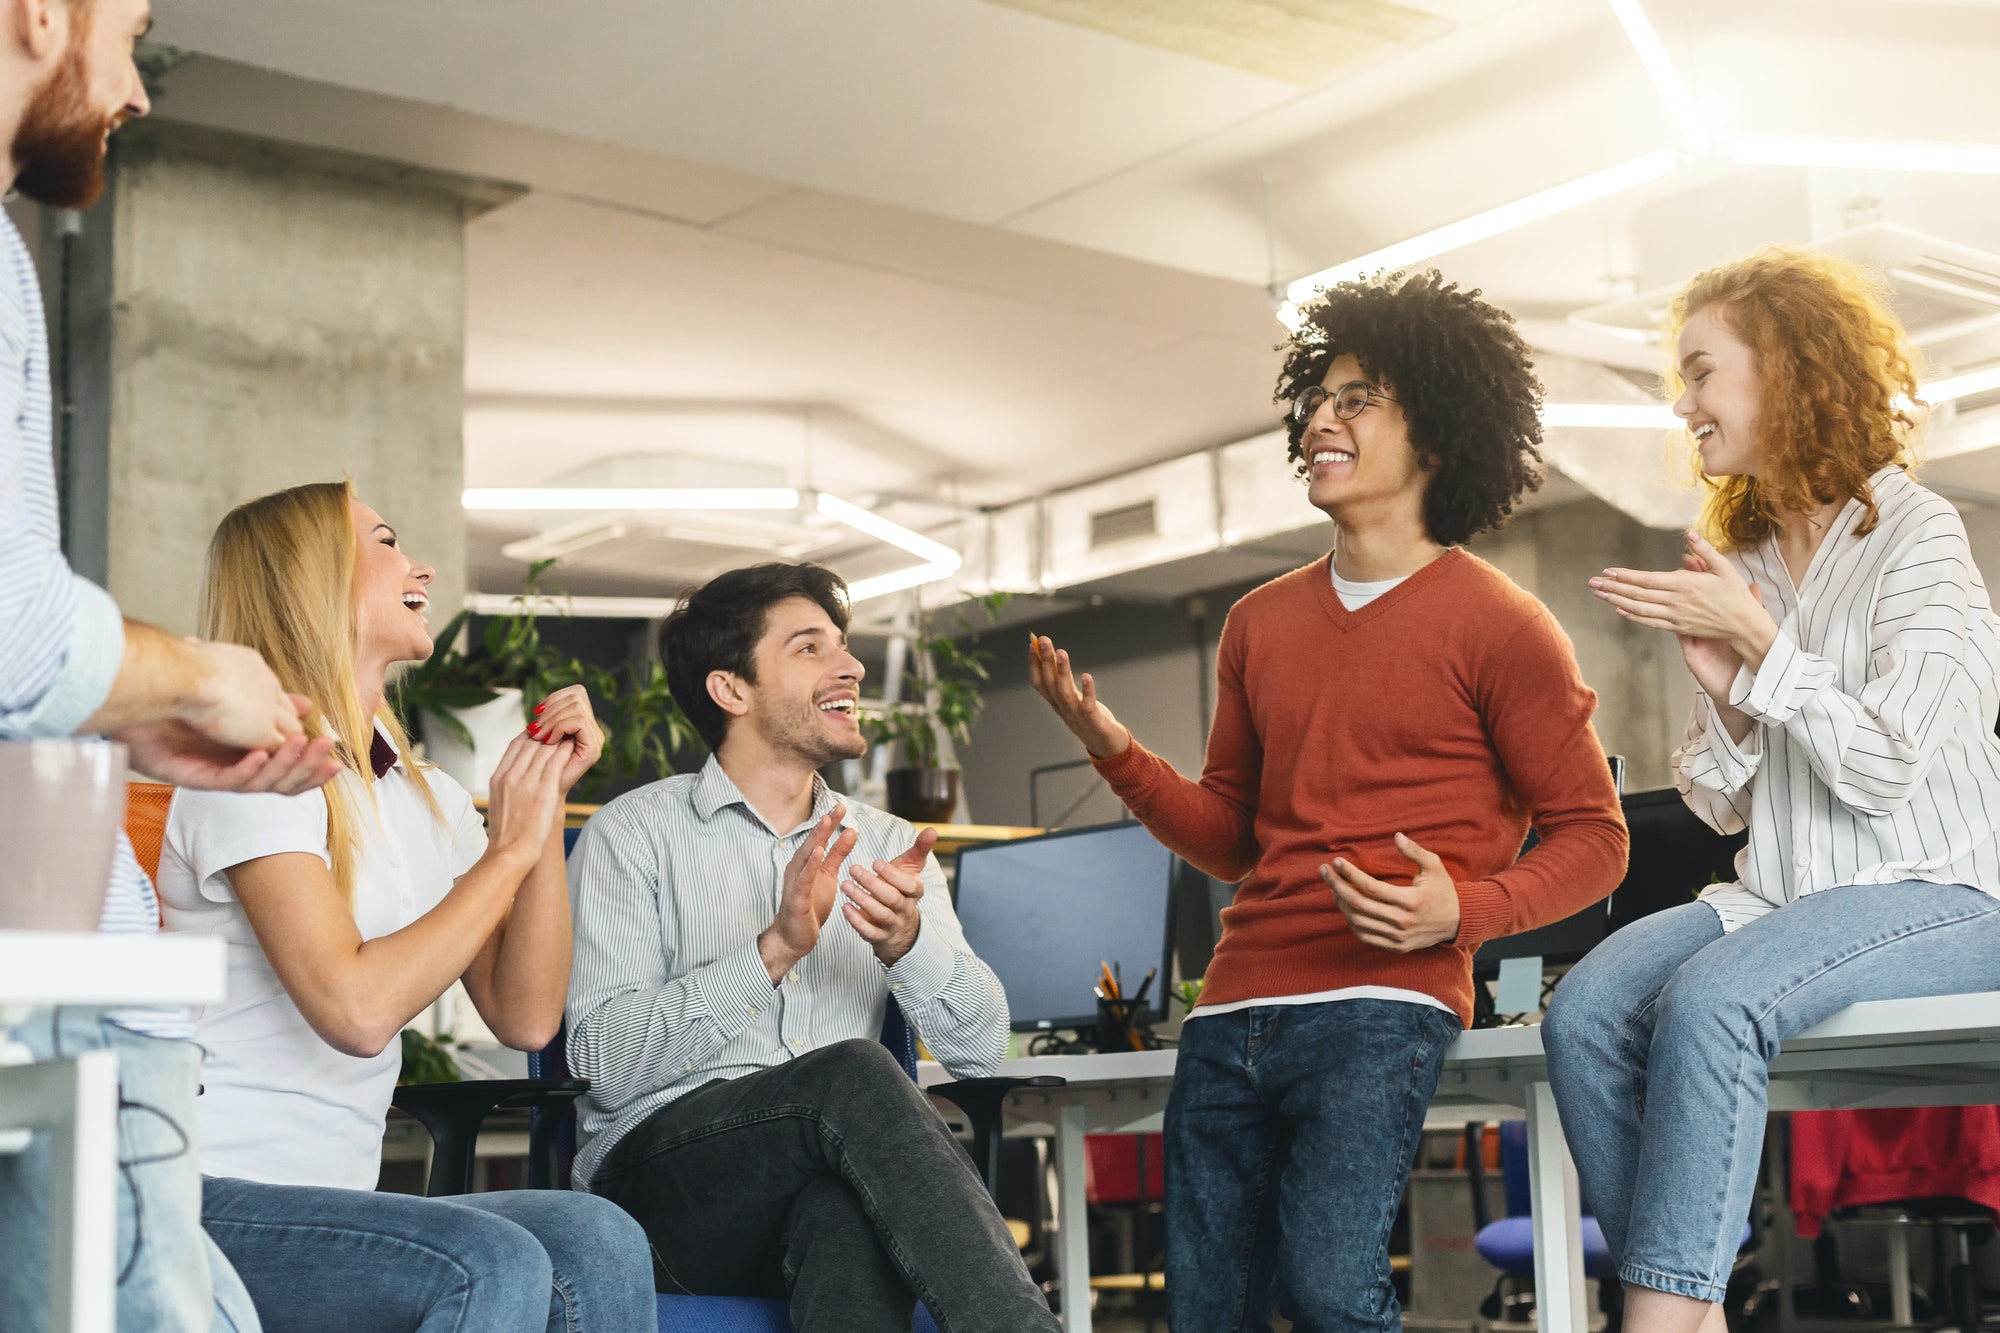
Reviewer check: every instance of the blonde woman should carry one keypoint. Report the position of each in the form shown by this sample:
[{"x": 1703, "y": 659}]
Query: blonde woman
[
  {"x": 348, "y": 911},
  {"x": 1844, "y": 652}
]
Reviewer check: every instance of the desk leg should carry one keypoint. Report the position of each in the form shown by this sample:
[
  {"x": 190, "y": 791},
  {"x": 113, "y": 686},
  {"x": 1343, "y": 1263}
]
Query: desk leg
[
  {"x": 1073, "y": 1255},
  {"x": 77, "y": 1102},
  {"x": 1559, "y": 1290}
]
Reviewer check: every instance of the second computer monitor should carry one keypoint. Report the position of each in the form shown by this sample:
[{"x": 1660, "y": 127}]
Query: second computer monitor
[{"x": 1045, "y": 912}]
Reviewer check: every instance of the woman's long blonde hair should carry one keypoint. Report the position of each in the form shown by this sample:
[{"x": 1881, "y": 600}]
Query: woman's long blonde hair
[
  {"x": 1839, "y": 386},
  {"x": 280, "y": 579}
]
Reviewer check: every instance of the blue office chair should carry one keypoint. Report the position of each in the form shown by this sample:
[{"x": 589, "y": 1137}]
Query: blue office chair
[
  {"x": 1508, "y": 1243},
  {"x": 453, "y": 1113}
]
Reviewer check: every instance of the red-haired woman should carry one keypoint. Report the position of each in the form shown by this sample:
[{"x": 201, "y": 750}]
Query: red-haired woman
[{"x": 1845, "y": 655}]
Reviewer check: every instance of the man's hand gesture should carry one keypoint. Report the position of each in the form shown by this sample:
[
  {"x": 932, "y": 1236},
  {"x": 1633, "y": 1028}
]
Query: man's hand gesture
[
  {"x": 1401, "y": 918},
  {"x": 811, "y": 882},
  {"x": 884, "y": 901},
  {"x": 1103, "y": 736}
]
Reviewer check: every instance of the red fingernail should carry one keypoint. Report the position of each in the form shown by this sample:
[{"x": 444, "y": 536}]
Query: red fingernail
[
  {"x": 540, "y": 707},
  {"x": 534, "y": 727}
]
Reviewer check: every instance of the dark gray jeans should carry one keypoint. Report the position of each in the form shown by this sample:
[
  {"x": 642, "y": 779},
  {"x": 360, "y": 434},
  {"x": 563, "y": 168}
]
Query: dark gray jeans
[{"x": 830, "y": 1180}]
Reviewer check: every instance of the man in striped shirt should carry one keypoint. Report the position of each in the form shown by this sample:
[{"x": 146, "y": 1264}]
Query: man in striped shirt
[
  {"x": 741, "y": 1106},
  {"x": 191, "y": 713}
]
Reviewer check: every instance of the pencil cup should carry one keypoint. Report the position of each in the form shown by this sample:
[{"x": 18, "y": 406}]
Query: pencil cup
[{"x": 1121, "y": 1026}]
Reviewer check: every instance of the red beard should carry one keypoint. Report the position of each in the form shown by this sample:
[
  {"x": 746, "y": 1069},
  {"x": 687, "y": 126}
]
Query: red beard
[{"x": 60, "y": 144}]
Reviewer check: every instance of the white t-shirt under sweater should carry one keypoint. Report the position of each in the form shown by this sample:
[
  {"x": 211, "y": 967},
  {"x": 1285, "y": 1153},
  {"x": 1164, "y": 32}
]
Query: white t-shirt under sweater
[
  {"x": 279, "y": 1104},
  {"x": 1353, "y": 596}
]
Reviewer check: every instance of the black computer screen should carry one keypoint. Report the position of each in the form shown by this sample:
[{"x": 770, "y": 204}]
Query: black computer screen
[{"x": 1045, "y": 912}]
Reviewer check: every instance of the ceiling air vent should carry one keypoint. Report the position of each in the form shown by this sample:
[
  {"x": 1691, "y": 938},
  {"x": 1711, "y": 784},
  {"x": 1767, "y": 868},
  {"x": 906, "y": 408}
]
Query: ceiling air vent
[{"x": 1125, "y": 523}]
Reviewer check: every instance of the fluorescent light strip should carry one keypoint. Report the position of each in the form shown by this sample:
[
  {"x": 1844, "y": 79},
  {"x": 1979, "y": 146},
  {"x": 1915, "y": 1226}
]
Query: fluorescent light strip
[
  {"x": 1479, "y": 227},
  {"x": 862, "y": 520},
  {"x": 1779, "y": 150},
  {"x": 603, "y": 608},
  {"x": 1961, "y": 386},
  {"x": 1666, "y": 79},
  {"x": 632, "y": 497},
  {"x": 900, "y": 580}
]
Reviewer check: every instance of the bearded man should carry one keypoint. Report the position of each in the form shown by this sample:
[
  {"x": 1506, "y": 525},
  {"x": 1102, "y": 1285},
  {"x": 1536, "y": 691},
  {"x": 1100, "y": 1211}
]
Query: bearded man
[
  {"x": 740, "y": 1104},
  {"x": 194, "y": 714}
]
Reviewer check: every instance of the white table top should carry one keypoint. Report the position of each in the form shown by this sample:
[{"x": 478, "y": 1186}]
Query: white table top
[
  {"x": 46, "y": 967},
  {"x": 1937, "y": 1051}
]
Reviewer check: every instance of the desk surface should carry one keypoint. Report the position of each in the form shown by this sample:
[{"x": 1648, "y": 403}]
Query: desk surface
[
  {"x": 45, "y": 967},
  {"x": 1943, "y": 1050}
]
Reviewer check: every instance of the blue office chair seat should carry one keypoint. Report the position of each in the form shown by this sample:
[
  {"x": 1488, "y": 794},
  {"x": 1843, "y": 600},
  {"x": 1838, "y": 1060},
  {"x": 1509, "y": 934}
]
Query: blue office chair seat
[{"x": 1509, "y": 1245}]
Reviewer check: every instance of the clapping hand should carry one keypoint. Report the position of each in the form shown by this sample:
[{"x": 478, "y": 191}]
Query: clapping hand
[
  {"x": 812, "y": 880},
  {"x": 884, "y": 901}
]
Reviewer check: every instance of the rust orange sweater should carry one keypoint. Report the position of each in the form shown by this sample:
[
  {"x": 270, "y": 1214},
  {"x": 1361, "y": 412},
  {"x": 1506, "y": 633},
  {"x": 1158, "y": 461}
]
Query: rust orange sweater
[{"x": 1449, "y": 709}]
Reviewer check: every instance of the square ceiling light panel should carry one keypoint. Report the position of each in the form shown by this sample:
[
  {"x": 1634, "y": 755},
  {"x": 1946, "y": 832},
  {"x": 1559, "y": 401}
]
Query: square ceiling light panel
[{"x": 1293, "y": 41}]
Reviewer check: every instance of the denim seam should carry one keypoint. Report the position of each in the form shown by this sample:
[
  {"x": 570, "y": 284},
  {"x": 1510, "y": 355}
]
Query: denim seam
[
  {"x": 568, "y": 1294},
  {"x": 1249, "y": 1256},
  {"x": 883, "y": 1235},
  {"x": 1638, "y": 1275},
  {"x": 1868, "y": 947},
  {"x": 1415, "y": 1108}
]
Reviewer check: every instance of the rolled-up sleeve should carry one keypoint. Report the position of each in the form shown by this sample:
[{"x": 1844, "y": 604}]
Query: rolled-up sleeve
[{"x": 61, "y": 641}]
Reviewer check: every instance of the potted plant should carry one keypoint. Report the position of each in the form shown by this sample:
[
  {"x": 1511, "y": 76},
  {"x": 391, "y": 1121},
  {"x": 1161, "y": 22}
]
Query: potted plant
[
  {"x": 943, "y": 695},
  {"x": 471, "y": 704}
]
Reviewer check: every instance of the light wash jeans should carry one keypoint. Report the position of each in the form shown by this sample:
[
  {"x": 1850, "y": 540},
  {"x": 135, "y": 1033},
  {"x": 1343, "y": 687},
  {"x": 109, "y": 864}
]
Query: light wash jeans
[
  {"x": 1659, "y": 1044},
  {"x": 516, "y": 1261},
  {"x": 172, "y": 1279}
]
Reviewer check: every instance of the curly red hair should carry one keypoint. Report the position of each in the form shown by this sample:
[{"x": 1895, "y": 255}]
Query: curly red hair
[{"x": 1839, "y": 385}]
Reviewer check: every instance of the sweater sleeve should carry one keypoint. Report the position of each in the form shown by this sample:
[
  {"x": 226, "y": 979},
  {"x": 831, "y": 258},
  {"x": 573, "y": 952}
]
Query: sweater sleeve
[
  {"x": 1211, "y": 824},
  {"x": 1538, "y": 711}
]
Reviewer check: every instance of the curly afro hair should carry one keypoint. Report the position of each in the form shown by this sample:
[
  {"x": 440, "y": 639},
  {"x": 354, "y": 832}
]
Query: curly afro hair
[{"x": 1462, "y": 374}]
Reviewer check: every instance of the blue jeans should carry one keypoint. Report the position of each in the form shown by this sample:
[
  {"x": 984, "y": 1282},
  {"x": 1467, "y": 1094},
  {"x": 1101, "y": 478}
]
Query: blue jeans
[
  {"x": 171, "y": 1278},
  {"x": 1289, "y": 1134},
  {"x": 1659, "y": 1041},
  {"x": 516, "y": 1261}
]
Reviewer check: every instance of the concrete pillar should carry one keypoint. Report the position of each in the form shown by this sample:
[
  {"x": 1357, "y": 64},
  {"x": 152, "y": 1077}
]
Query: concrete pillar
[
  {"x": 240, "y": 316},
  {"x": 1643, "y": 689}
]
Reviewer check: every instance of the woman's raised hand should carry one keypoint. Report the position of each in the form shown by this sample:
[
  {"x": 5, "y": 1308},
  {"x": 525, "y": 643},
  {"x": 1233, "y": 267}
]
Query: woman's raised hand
[
  {"x": 1077, "y": 704},
  {"x": 566, "y": 716},
  {"x": 524, "y": 798}
]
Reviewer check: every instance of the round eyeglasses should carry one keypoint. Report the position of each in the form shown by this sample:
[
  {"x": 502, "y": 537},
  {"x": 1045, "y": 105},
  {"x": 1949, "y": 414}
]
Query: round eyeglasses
[{"x": 1350, "y": 400}]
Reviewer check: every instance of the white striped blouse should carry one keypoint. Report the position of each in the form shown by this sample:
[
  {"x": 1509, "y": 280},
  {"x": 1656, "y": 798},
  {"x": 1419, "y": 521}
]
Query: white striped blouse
[
  {"x": 1873, "y": 758},
  {"x": 670, "y": 886}
]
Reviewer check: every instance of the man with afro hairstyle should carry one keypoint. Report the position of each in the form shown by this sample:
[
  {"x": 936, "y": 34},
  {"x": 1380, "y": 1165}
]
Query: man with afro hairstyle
[{"x": 1390, "y": 722}]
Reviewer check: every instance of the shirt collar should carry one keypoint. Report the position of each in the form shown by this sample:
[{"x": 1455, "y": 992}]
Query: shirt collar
[
  {"x": 382, "y": 752},
  {"x": 714, "y": 791}
]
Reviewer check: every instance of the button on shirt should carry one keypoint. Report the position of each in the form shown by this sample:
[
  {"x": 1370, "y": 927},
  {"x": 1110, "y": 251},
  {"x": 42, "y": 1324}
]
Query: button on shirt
[
  {"x": 671, "y": 885},
  {"x": 280, "y": 1105},
  {"x": 1873, "y": 758}
]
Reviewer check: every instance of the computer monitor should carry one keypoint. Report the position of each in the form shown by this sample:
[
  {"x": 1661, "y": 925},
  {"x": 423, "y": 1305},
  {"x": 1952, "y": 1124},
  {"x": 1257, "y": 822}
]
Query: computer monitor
[{"x": 1045, "y": 912}]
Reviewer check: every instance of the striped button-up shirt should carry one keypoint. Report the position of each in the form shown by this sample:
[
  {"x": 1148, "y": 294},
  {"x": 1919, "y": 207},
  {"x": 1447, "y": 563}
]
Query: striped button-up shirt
[
  {"x": 1873, "y": 758},
  {"x": 671, "y": 885},
  {"x": 61, "y": 637}
]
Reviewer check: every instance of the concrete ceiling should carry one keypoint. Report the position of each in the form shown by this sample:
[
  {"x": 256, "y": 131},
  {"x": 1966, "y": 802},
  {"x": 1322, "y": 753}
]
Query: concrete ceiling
[{"x": 958, "y": 251}]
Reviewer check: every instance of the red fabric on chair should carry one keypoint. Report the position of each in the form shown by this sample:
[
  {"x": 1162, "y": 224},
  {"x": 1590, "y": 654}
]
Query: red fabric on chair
[
  {"x": 1111, "y": 1168},
  {"x": 1842, "y": 1159}
]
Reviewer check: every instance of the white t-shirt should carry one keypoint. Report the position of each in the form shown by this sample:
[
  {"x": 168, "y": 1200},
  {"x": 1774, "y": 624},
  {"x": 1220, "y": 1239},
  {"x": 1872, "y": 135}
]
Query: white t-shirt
[
  {"x": 1354, "y": 595},
  {"x": 279, "y": 1105}
]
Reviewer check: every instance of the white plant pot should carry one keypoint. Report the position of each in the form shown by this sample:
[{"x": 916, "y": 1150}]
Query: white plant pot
[{"x": 493, "y": 726}]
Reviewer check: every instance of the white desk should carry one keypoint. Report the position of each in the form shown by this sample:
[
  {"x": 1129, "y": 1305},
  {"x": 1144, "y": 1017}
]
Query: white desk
[
  {"x": 77, "y": 1100},
  {"x": 1935, "y": 1052}
]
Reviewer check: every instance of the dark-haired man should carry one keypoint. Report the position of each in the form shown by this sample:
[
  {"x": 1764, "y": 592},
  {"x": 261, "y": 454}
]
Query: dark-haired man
[
  {"x": 1390, "y": 721},
  {"x": 194, "y": 714},
  {"x": 741, "y": 1105}
]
